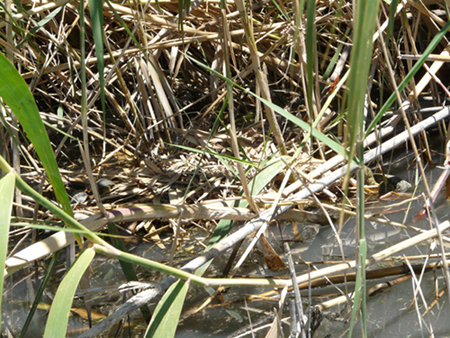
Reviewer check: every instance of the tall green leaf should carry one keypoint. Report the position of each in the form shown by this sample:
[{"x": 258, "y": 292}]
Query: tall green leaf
[
  {"x": 58, "y": 317},
  {"x": 310, "y": 53},
  {"x": 365, "y": 21},
  {"x": 16, "y": 94},
  {"x": 418, "y": 65},
  {"x": 6, "y": 198},
  {"x": 170, "y": 306},
  {"x": 96, "y": 10}
]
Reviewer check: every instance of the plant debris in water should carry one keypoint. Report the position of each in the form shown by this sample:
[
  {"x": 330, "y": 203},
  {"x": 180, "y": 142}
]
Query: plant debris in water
[{"x": 177, "y": 155}]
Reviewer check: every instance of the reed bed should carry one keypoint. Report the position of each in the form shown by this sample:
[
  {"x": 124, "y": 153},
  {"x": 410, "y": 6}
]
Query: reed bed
[{"x": 148, "y": 120}]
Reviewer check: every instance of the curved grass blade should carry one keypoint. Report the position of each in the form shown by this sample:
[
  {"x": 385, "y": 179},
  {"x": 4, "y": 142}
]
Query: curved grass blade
[
  {"x": 59, "y": 312},
  {"x": 6, "y": 199},
  {"x": 338, "y": 148},
  {"x": 41, "y": 24},
  {"x": 214, "y": 153},
  {"x": 165, "y": 319},
  {"x": 438, "y": 37},
  {"x": 96, "y": 10},
  {"x": 17, "y": 96}
]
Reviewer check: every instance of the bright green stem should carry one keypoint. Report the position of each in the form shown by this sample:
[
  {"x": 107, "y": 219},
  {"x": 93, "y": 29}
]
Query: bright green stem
[{"x": 263, "y": 282}]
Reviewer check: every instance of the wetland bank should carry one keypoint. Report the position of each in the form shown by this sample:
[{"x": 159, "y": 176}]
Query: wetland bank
[{"x": 172, "y": 168}]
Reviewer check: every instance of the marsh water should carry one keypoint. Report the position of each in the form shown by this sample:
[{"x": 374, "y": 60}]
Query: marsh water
[{"x": 400, "y": 310}]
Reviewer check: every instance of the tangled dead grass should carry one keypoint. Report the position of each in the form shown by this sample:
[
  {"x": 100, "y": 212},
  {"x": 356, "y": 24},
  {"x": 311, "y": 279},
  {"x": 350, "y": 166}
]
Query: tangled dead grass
[
  {"x": 157, "y": 96},
  {"x": 163, "y": 109}
]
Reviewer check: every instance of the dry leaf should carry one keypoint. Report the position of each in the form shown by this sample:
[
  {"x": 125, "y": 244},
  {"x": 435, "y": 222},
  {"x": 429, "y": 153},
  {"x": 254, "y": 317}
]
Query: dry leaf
[
  {"x": 95, "y": 315},
  {"x": 273, "y": 260}
]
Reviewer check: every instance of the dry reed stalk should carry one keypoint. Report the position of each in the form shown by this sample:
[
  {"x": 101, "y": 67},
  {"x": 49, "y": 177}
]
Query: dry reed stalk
[{"x": 156, "y": 94}]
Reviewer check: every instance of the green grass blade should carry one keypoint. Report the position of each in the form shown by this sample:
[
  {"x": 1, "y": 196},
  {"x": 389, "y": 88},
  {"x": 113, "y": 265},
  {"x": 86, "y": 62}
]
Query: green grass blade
[
  {"x": 96, "y": 10},
  {"x": 360, "y": 289},
  {"x": 338, "y": 148},
  {"x": 17, "y": 96},
  {"x": 183, "y": 9},
  {"x": 20, "y": 8},
  {"x": 310, "y": 48},
  {"x": 359, "y": 69},
  {"x": 438, "y": 37},
  {"x": 214, "y": 153},
  {"x": 6, "y": 199},
  {"x": 59, "y": 313},
  {"x": 41, "y": 24},
  {"x": 48, "y": 273},
  {"x": 165, "y": 319},
  {"x": 392, "y": 12},
  {"x": 365, "y": 21}
]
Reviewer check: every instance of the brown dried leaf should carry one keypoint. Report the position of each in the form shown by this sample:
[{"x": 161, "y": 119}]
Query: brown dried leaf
[
  {"x": 273, "y": 260},
  {"x": 95, "y": 315}
]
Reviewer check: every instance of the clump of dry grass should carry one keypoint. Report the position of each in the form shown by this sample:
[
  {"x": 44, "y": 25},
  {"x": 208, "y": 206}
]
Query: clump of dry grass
[
  {"x": 157, "y": 96},
  {"x": 164, "y": 109}
]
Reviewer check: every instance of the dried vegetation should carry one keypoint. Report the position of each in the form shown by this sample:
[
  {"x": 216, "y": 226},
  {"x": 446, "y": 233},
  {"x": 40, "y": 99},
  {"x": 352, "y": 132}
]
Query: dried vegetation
[{"x": 177, "y": 143}]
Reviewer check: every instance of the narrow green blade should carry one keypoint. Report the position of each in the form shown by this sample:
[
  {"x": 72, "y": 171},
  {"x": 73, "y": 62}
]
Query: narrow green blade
[
  {"x": 59, "y": 312},
  {"x": 96, "y": 11},
  {"x": 165, "y": 319},
  {"x": 16, "y": 94},
  {"x": 6, "y": 199}
]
